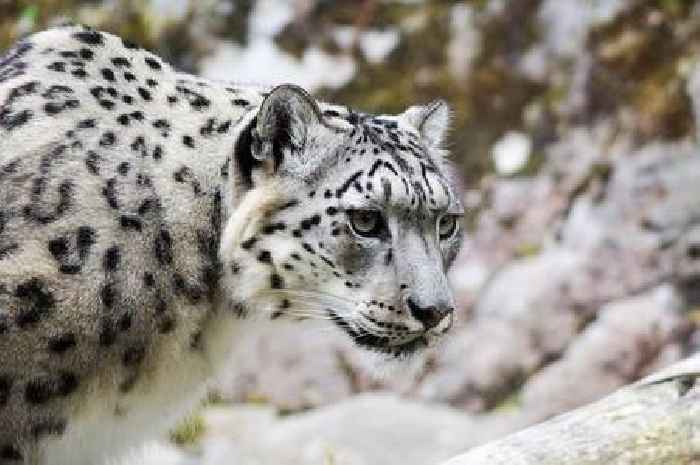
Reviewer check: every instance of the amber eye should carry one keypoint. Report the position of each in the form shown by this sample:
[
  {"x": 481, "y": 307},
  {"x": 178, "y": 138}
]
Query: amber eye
[
  {"x": 447, "y": 225},
  {"x": 366, "y": 223}
]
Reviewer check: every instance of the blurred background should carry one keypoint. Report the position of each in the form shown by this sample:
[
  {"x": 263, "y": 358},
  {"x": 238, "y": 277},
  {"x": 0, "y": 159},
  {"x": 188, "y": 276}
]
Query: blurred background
[{"x": 575, "y": 129}]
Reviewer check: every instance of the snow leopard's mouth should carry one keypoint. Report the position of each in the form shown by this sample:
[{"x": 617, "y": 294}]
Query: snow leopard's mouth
[{"x": 379, "y": 343}]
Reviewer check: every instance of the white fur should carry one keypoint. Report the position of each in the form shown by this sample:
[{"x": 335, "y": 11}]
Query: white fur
[{"x": 96, "y": 433}]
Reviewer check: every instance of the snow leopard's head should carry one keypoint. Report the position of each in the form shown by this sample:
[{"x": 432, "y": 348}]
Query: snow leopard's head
[{"x": 347, "y": 217}]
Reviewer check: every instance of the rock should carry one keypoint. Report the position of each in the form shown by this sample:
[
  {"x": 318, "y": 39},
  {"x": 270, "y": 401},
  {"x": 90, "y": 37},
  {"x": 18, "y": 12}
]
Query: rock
[
  {"x": 156, "y": 453},
  {"x": 494, "y": 369},
  {"x": 371, "y": 429},
  {"x": 521, "y": 320},
  {"x": 365, "y": 430},
  {"x": 368, "y": 429},
  {"x": 621, "y": 345}
]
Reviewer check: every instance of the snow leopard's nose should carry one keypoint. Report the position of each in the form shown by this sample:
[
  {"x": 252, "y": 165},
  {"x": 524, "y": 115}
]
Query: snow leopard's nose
[{"x": 431, "y": 315}]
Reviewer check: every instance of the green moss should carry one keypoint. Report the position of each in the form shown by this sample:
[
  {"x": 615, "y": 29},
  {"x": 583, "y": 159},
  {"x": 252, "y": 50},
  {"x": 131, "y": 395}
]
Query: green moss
[
  {"x": 215, "y": 398},
  {"x": 694, "y": 316},
  {"x": 391, "y": 87},
  {"x": 638, "y": 60},
  {"x": 507, "y": 396},
  {"x": 329, "y": 458},
  {"x": 417, "y": 71},
  {"x": 369, "y": 14},
  {"x": 479, "y": 4},
  {"x": 257, "y": 399},
  {"x": 511, "y": 403},
  {"x": 38, "y": 12},
  {"x": 30, "y": 14},
  {"x": 528, "y": 250},
  {"x": 189, "y": 432},
  {"x": 131, "y": 19},
  {"x": 677, "y": 8},
  {"x": 602, "y": 171}
]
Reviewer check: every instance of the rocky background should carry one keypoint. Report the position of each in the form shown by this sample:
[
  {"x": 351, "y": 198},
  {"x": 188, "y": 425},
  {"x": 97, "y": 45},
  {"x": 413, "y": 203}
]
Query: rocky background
[{"x": 575, "y": 127}]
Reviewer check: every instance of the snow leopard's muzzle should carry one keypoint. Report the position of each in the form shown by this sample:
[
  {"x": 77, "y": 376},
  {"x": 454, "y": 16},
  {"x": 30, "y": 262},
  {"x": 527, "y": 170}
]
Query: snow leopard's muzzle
[{"x": 418, "y": 317}]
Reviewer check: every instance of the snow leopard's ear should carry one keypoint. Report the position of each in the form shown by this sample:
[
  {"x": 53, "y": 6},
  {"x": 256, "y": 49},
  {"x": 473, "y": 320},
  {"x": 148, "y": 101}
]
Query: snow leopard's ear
[
  {"x": 432, "y": 122},
  {"x": 283, "y": 123}
]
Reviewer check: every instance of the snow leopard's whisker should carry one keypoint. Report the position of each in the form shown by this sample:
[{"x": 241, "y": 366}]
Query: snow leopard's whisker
[
  {"x": 307, "y": 315},
  {"x": 305, "y": 306},
  {"x": 324, "y": 330},
  {"x": 316, "y": 301},
  {"x": 309, "y": 294}
]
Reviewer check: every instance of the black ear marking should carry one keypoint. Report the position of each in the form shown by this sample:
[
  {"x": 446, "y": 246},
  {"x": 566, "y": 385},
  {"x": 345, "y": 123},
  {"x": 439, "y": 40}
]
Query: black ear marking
[
  {"x": 283, "y": 123},
  {"x": 243, "y": 156}
]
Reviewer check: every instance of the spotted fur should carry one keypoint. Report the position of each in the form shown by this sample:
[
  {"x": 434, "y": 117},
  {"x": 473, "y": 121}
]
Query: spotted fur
[{"x": 150, "y": 218}]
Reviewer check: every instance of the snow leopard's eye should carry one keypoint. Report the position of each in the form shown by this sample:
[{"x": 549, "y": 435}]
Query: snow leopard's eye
[
  {"x": 447, "y": 226},
  {"x": 366, "y": 223}
]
